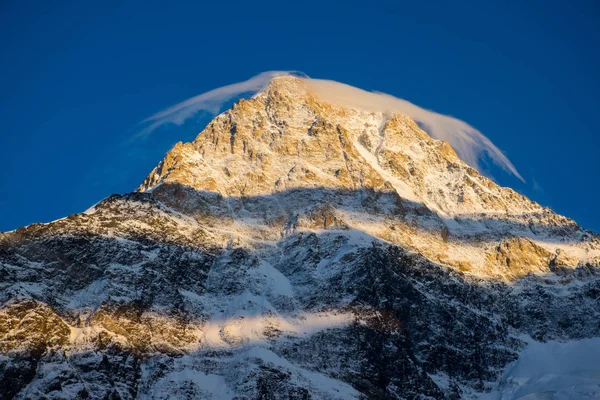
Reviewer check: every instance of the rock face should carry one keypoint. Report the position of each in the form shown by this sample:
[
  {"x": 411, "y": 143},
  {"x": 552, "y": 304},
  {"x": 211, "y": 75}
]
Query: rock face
[{"x": 295, "y": 249}]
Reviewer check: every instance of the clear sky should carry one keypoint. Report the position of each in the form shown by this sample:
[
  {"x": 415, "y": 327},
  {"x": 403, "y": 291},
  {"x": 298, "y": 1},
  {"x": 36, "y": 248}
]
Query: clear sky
[{"x": 77, "y": 77}]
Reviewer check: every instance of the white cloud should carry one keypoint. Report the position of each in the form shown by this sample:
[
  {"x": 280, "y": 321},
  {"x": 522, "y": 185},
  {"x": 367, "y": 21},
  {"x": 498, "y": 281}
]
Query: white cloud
[
  {"x": 210, "y": 101},
  {"x": 469, "y": 143}
]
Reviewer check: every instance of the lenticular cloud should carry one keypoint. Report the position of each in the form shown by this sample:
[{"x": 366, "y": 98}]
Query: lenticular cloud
[
  {"x": 210, "y": 101},
  {"x": 470, "y": 144}
]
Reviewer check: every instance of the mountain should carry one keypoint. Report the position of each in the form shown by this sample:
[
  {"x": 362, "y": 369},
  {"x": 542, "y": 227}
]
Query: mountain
[{"x": 295, "y": 249}]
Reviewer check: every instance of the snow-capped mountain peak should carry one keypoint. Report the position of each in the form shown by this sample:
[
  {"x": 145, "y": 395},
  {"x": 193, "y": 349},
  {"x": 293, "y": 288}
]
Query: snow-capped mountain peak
[
  {"x": 297, "y": 248},
  {"x": 286, "y": 139}
]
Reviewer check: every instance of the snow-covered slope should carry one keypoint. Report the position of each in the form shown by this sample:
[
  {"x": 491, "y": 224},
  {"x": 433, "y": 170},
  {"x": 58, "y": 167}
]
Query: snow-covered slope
[
  {"x": 295, "y": 249},
  {"x": 553, "y": 370}
]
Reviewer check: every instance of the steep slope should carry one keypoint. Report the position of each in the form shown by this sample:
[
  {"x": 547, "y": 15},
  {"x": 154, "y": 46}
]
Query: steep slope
[{"x": 295, "y": 249}]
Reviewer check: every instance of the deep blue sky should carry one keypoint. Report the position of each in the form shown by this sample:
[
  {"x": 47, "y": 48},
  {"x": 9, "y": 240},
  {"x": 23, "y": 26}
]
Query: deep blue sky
[{"x": 77, "y": 77}]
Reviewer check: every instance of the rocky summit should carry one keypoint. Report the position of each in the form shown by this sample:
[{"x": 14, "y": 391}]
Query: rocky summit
[{"x": 296, "y": 249}]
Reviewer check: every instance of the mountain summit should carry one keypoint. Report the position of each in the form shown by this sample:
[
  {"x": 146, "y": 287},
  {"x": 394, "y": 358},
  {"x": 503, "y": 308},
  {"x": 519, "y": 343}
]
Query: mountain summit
[
  {"x": 285, "y": 157},
  {"x": 295, "y": 249}
]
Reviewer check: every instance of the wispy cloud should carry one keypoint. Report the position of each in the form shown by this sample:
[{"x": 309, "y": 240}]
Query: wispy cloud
[
  {"x": 469, "y": 143},
  {"x": 210, "y": 101}
]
